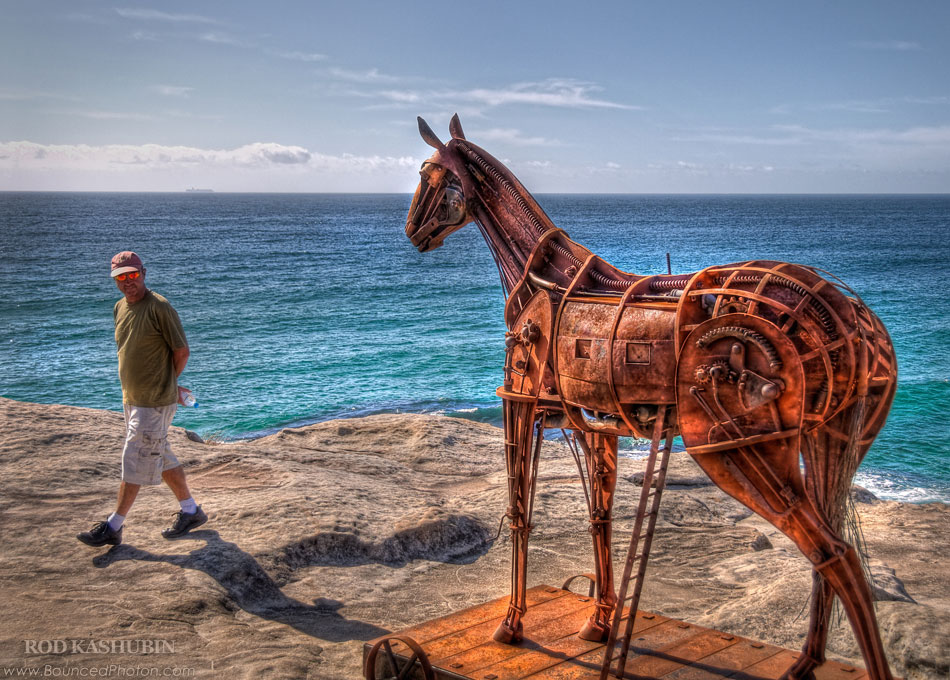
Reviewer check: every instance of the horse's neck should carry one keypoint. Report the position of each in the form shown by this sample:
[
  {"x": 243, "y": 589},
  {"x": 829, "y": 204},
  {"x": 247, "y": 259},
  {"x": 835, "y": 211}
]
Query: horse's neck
[{"x": 507, "y": 215}]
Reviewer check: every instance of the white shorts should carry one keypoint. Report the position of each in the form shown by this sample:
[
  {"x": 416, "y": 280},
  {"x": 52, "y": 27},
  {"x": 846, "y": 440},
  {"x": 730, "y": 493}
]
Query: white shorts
[{"x": 147, "y": 454}]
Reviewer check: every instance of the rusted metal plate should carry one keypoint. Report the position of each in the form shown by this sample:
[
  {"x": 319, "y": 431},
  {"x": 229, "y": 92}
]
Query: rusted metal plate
[
  {"x": 742, "y": 654},
  {"x": 672, "y": 658},
  {"x": 530, "y": 341},
  {"x": 489, "y": 611},
  {"x": 491, "y": 656},
  {"x": 833, "y": 670},
  {"x": 770, "y": 668},
  {"x": 474, "y": 636},
  {"x": 460, "y": 647},
  {"x": 666, "y": 633}
]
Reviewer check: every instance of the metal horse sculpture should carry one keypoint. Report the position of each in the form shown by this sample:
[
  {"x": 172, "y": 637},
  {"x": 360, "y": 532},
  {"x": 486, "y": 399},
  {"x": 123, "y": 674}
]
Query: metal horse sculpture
[{"x": 777, "y": 378}]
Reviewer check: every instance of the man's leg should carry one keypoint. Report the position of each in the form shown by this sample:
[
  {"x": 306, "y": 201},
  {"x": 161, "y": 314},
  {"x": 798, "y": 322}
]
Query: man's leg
[
  {"x": 127, "y": 494},
  {"x": 110, "y": 531},
  {"x": 191, "y": 515},
  {"x": 175, "y": 478}
]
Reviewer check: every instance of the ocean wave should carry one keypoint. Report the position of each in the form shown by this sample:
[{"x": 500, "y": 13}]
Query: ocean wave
[{"x": 894, "y": 486}]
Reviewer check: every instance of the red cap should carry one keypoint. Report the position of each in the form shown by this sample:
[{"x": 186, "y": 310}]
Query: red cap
[{"x": 126, "y": 262}]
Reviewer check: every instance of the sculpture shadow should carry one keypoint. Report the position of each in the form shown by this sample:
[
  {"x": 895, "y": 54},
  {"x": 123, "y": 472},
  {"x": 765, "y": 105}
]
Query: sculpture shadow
[
  {"x": 458, "y": 539},
  {"x": 251, "y": 588}
]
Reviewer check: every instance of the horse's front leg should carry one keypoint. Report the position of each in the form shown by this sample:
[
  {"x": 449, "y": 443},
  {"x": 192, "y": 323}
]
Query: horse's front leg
[
  {"x": 521, "y": 459},
  {"x": 601, "y": 454}
]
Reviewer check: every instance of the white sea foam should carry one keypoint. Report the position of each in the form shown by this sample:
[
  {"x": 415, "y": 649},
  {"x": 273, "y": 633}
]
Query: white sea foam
[{"x": 893, "y": 486}]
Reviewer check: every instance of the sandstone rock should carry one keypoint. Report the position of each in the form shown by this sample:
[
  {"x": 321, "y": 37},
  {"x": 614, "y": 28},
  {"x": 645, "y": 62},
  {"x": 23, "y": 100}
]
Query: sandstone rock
[
  {"x": 885, "y": 584},
  {"x": 862, "y": 495},
  {"x": 325, "y": 536}
]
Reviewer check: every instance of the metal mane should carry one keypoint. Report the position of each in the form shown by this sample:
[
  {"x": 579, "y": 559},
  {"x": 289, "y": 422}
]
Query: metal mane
[{"x": 507, "y": 181}]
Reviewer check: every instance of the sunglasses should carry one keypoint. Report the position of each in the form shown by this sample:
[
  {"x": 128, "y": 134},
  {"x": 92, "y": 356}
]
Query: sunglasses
[{"x": 131, "y": 276}]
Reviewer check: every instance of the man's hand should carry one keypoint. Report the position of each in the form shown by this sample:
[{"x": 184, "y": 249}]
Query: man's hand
[{"x": 179, "y": 359}]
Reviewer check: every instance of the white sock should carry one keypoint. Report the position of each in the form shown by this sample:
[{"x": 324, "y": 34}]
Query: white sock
[
  {"x": 115, "y": 521},
  {"x": 188, "y": 506}
]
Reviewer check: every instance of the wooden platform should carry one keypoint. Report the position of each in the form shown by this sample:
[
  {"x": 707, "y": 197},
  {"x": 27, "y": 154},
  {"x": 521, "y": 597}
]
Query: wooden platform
[{"x": 459, "y": 646}]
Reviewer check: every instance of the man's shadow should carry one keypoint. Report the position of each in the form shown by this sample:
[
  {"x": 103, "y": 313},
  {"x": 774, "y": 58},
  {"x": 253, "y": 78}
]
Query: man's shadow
[{"x": 252, "y": 589}]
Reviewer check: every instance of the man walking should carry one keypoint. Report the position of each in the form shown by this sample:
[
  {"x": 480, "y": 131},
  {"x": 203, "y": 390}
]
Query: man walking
[{"x": 152, "y": 354}]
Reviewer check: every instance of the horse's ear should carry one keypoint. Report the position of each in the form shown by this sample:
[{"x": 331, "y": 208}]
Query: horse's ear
[
  {"x": 428, "y": 135},
  {"x": 455, "y": 128}
]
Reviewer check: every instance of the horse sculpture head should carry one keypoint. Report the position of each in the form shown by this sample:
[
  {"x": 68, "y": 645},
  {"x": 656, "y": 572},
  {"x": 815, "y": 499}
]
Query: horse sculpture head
[{"x": 438, "y": 207}]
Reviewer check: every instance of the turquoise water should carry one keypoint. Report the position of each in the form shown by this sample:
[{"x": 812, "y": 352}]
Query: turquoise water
[{"x": 301, "y": 308}]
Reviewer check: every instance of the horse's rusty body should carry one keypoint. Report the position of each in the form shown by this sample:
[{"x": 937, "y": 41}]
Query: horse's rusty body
[{"x": 764, "y": 365}]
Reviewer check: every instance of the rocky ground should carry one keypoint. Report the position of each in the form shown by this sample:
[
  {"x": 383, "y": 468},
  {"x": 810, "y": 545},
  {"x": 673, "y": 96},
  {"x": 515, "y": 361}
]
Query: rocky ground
[{"x": 326, "y": 536}]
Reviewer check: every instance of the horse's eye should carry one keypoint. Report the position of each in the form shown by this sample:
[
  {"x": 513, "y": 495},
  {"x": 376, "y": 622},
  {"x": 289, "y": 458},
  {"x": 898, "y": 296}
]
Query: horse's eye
[{"x": 454, "y": 205}]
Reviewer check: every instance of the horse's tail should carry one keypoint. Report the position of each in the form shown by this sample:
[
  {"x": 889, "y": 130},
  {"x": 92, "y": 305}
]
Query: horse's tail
[{"x": 834, "y": 450}]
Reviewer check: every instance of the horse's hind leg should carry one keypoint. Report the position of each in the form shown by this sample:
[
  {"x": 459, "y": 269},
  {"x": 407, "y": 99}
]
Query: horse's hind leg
[
  {"x": 813, "y": 653},
  {"x": 740, "y": 473},
  {"x": 845, "y": 576},
  {"x": 832, "y": 454},
  {"x": 601, "y": 453},
  {"x": 521, "y": 460}
]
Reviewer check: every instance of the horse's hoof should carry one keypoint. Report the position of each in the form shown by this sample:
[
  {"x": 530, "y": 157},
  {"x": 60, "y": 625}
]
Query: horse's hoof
[
  {"x": 594, "y": 631},
  {"x": 504, "y": 633}
]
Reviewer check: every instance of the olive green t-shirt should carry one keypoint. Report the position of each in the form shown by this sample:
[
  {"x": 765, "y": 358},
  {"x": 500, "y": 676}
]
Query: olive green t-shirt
[{"x": 146, "y": 333}]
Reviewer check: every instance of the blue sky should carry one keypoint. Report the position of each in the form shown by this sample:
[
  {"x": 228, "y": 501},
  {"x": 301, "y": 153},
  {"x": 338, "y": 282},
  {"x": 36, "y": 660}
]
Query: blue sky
[{"x": 619, "y": 96}]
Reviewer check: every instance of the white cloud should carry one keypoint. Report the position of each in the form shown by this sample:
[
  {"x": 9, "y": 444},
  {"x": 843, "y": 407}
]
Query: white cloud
[
  {"x": 917, "y": 136},
  {"x": 84, "y": 155},
  {"x": 940, "y": 99},
  {"x": 797, "y": 135},
  {"x": 173, "y": 90},
  {"x": 887, "y": 45},
  {"x": 402, "y": 97},
  {"x": 307, "y": 57},
  {"x": 369, "y": 76},
  {"x": 252, "y": 167},
  {"x": 553, "y": 92},
  {"x": 785, "y": 139},
  {"x": 512, "y": 136},
  {"x": 156, "y": 15},
  {"x": 31, "y": 95},
  {"x": 107, "y": 115},
  {"x": 881, "y": 105},
  {"x": 219, "y": 38}
]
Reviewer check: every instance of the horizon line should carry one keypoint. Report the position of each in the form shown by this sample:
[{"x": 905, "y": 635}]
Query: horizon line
[{"x": 409, "y": 193}]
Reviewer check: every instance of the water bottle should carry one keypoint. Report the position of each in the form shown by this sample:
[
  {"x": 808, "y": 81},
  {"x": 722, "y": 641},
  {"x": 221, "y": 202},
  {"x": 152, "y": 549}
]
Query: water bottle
[{"x": 187, "y": 398}]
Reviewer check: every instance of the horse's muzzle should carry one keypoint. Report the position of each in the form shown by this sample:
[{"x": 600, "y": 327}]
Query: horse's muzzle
[{"x": 421, "y": 224}]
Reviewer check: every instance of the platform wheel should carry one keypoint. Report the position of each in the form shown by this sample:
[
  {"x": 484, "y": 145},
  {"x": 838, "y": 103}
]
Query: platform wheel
[
  {"x": 388, "y": 666},
  {"x": 589, "y": 577}
]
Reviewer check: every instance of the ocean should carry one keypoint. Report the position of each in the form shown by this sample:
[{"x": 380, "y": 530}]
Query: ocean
[{"x": 305, "y": 307}]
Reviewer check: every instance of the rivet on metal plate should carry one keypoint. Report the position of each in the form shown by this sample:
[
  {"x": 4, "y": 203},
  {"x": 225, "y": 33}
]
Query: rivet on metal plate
[
  {"x": 649, "y": 616},
  {"x": 583, "y": 599},
  {"x": 757, "y": 645},
  {"x": 549, "y": 590},
  {"x": 683, "y": 625},
  {"x": 727, "y": 637},
  {"x": 849, "y": 669},
  {"x": 456, "y": 665},
  {"x": 491, "y": 676}
]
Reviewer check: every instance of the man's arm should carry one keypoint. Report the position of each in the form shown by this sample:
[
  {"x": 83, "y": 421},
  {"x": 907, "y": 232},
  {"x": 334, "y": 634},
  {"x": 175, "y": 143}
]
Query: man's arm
[{"x": 179, "y": 359}]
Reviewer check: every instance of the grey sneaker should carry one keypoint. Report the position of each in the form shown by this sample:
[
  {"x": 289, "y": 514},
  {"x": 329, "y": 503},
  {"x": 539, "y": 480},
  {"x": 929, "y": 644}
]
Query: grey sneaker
[
  {"x": 185, "y": 522},
  {"x": 101, "y": 534}
]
